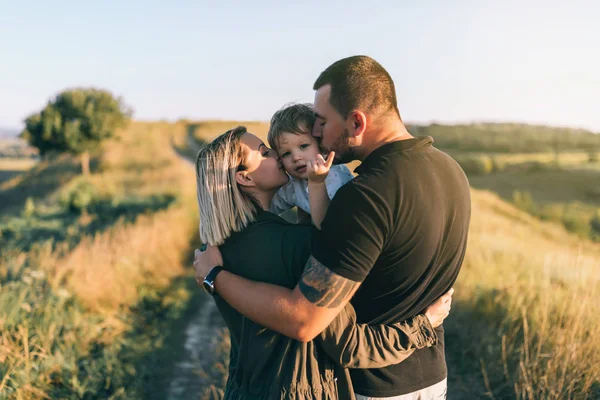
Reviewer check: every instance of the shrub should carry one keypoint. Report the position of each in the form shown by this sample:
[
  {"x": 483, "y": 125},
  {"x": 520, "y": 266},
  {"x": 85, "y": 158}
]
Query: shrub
[
  {"x": 524, "y": 201},
  {"x": 476, "y": 164},
  {"x": 29, "y": 210},
  {"x": 80, "y": 197},
  {"x": 552, "y": 212},
  {"x": 577, "y": 225}
]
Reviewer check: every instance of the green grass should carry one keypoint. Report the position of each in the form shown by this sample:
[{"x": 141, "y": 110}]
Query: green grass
[
  {"x": 94, "y": 271},
  {"x": 570, "y": 196},
  {"x": 552, "y": 185},
  {"x": 94, "y": 276},
  {"x": 509, "y": 138}
]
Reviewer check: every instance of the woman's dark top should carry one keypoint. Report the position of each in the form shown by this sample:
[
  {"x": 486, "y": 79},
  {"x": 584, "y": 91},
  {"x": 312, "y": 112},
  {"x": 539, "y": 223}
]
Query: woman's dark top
[{"x": 267, "y": 365}]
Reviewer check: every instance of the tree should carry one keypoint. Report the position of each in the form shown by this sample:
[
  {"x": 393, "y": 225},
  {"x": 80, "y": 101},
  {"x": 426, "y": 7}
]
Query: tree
[{"x": 76, "y": 121}]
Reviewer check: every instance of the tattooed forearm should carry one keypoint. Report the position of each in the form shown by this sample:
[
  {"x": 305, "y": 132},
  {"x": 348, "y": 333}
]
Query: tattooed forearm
[{"x": 323, "y": 287}]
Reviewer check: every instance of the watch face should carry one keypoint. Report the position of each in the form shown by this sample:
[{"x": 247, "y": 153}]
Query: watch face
[{"x": 208, "y": 286}]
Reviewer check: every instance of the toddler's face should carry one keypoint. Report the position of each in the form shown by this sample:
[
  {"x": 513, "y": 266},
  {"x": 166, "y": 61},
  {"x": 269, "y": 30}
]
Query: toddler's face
[{"x": 295, "y": 150}]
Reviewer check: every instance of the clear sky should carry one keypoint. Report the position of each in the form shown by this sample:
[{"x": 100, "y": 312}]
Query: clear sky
[{"x": 452, "y": 61}]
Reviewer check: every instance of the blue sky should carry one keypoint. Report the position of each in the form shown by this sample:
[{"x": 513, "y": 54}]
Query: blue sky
[{"x": 460, "y": 61}]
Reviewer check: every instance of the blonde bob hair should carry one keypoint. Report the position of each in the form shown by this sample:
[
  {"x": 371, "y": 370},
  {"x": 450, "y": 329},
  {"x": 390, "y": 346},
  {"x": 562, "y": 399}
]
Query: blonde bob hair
[{"x": 224, "y": 207}]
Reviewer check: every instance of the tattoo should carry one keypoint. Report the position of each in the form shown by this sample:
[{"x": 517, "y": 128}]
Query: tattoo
[{"x": 323, "y": 287}]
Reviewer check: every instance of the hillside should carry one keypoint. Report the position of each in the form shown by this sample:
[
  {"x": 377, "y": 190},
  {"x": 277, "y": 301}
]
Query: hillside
[
  {"x": 509, "y": 138},
  {"x": 94, "y": 271},
  {"x": 97, "y": 289}
]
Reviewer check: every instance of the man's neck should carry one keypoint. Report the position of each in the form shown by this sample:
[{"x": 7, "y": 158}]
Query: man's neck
[{"x": 391, "y": 131}]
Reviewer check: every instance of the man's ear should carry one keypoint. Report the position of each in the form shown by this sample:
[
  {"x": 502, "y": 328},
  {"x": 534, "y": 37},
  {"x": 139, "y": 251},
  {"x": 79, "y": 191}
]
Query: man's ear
[
  {"x": 358, "y": 121},
  {"x": 243, "y": 178}
]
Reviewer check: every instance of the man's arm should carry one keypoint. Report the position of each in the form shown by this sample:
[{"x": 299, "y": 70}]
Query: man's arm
[
  {"x": 301, "y": 313},
  {"x": 351, "y": 240},
  {"x": 354, "y": 345}
]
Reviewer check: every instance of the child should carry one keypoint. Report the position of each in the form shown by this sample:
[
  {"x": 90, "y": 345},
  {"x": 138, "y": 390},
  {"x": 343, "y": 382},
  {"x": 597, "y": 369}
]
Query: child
[{"x": 313, "y": 180}]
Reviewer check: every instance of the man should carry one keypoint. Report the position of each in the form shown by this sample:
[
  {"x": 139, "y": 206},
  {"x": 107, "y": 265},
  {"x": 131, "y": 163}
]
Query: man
[{"x": 393, "y": 239}]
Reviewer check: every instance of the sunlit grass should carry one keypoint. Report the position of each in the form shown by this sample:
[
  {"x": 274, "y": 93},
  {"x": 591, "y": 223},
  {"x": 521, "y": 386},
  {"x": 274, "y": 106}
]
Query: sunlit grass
[
  {"x": 526, "y": 318},
  {"x": 11, "y": 167},
  {"x": 525, "y": 322},
  {"x": 17, "y": 164},
  {"x": 67, "y": 306}
]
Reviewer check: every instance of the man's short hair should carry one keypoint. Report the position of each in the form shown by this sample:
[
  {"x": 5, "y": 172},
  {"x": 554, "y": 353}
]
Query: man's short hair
[
  {"x": 359, "y": 83},
  {"x": 294, "y": 118}
]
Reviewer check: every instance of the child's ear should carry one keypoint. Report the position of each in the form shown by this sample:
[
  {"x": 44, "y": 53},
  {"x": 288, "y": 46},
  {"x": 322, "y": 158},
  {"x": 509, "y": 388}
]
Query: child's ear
[{"x": 243, "y": 178}]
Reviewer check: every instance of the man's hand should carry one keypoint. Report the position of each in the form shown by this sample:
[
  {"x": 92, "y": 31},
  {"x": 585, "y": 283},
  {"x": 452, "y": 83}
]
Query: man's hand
[
  {"x": 204, "y": 261},
  {"x": 317, "y": 170},
  {"x": 438, "y": 311}
]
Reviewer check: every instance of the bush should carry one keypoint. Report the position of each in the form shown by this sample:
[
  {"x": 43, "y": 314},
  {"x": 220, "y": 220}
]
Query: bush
[
  {"x": 476, "y": 164},
  {"x": 80, "y": 197},
  {"x": 524, "y": 201},
  {"x": 29, "y": 210},
  {"x": 577, "y": 225},
  {"x": 552, "y": 212}
]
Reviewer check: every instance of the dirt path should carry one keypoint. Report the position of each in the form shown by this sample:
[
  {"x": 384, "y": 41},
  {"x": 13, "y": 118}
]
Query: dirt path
[
  {"x": 191, "y": 373},
  {"x": 196, "y": 351}
]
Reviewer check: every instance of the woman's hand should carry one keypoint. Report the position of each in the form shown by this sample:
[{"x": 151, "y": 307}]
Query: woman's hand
[
  {"x": 317, "y": 170},
  {"x": 205, "y": 260},
  {"x": 438, "y": 311}
]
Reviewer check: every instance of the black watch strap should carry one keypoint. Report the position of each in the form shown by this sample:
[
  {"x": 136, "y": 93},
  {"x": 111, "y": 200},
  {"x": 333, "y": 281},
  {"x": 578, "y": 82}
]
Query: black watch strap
[{"x": 209, "y": 281}]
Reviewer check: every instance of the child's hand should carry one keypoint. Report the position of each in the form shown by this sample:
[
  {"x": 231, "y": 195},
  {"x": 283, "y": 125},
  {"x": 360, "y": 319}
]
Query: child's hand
[{"x": 318, "y": 169}]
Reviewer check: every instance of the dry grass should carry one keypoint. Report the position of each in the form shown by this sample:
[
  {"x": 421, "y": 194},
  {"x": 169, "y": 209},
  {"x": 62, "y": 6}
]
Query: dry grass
[
  {"x": 526, "y": 322},
  {"x": 526, "y": 319},
  {"x": 106, "y": 271},
  {"x": 59, "y": 305},
  {"x": 12, "y": 167},
  {"x": 17, "y": 164},
  {"x": 532, "y": 289}
]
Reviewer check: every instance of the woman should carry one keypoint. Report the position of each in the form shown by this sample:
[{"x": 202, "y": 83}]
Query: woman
[{"x": 237, "y": 176}]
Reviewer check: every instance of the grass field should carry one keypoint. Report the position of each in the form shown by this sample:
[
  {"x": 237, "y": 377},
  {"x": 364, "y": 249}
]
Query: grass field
[
  {"x": 93, "y": 274},
  {"x": 92, "y": 270},
  {"x": 11, "y": 167}
]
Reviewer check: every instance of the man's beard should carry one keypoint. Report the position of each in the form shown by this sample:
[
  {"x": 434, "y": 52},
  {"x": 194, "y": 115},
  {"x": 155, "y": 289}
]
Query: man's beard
[{"x": 344, "y": 153}]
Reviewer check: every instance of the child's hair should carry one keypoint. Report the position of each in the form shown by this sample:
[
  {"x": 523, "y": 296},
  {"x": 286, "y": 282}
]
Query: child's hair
[{"x": 294, "y": 118}]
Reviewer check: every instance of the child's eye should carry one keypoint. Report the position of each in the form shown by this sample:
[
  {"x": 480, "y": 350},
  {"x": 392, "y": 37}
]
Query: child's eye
[
  {"x": 287, "y": 153},
  {"x": 305, "y": 145}
]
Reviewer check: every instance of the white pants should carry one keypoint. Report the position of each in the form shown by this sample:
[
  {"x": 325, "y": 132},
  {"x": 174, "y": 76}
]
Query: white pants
[{"x": 433, "y": 392}]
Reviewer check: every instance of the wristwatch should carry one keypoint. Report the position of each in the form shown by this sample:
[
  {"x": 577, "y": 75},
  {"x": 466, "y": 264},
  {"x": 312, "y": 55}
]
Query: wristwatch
[{"x": 209, "y": 282}]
